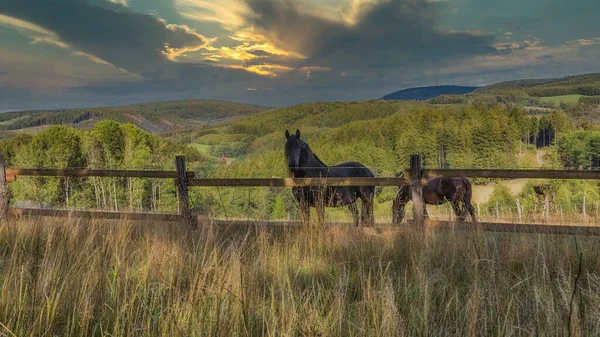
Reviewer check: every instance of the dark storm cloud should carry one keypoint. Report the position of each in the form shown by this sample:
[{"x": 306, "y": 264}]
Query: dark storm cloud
[
  {"x": 259, "y": 53},
  {"x": 3, "y": 73},
  {"x": 388, "y": 34},
  {"x": 131, "y": 41}
]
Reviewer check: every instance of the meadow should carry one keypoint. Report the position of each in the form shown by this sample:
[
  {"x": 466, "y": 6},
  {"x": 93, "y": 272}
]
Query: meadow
[
  {"x": 80, "y": 278},
  {"x": 567, "y": 99}
]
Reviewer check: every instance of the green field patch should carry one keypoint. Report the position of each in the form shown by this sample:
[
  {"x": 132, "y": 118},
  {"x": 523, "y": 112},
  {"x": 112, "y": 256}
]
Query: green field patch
[
  {"x": 12, "y": 121},
  {"x": 32, "y": 130},
  {"x": 222, "y": 138},
  {"x": 203, "y": 148},
  {"x": 567, "y": 99}
]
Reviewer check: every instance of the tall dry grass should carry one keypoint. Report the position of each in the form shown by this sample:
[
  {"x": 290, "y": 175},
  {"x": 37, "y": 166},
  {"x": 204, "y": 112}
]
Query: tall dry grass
[{"x": 74, "y": 278}]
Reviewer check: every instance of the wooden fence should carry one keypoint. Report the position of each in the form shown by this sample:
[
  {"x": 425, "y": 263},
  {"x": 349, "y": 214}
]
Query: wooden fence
[{"x": 413, "y": 178}]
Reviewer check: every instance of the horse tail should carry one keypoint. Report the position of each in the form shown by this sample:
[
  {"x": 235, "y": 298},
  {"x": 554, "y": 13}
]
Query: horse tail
[
  {"x": 467, "y": 199},
  {"x": 468, "y": 190}
]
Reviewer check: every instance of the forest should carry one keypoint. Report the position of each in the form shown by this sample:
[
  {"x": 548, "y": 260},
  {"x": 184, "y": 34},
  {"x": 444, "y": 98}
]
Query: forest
[{"x": 380, "y": 134}]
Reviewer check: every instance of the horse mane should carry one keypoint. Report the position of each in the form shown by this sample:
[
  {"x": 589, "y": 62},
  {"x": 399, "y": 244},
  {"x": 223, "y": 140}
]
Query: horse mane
[{"x": 315, "y": 155}]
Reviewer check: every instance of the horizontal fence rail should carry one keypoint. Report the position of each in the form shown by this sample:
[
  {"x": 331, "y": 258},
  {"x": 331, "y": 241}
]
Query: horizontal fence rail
[
  {"x": 430, "y": 225},
  {"x": 17, "y": 211},
  {"x": 510, "y": 173},
  {"x": 183, "y": 179},
  {"x": 93, "y": 173},
  {"x": 287, "y": 182}
]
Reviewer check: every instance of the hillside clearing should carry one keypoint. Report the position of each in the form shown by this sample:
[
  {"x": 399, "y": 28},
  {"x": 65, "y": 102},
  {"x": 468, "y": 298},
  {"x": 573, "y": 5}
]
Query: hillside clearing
[{"x": 567, "y": 99}]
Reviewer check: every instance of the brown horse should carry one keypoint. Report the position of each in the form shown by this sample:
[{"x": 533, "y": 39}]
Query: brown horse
[{"x": 438, "y": 191}]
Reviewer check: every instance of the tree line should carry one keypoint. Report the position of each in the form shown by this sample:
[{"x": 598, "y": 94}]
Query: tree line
[
  {"x": 109, "y": 145},
  {"x": 382, "y": 135}
]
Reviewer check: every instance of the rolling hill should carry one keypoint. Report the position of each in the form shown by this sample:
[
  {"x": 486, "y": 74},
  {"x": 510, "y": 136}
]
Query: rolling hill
[
  {"x": 587, "y": 84},
  {"x": 425, "y": 93},
  {"x": 159, "y": 117}
]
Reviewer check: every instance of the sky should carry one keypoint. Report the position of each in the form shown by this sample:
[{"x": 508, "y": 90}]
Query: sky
[{"x": 88, "y": 53}]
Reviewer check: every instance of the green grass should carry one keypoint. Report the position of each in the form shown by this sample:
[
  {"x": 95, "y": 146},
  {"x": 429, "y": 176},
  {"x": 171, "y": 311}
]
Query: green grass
[
  {"x": 157, "y": 117},
  {"x": 567, "y": 99},
  {"x": 69, "y": 278},
  {"x": 203, "y": 148},
  {"x": 32, "y": 130},
  {"x": 13, "y": 120}
]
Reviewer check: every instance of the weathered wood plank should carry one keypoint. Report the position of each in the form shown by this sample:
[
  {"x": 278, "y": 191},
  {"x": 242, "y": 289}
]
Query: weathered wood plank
[
  {"x": 430, "y": 225},
  {"x": 182, "y": 188},
  {"x": 94, "y": 214},
  {"x": 511, "y": 173},
  {"x": 287, "y": 182},
  {"x": 93, "y": 173}
]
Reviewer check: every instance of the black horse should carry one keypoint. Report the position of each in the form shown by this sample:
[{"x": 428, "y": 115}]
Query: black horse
[
  {"x": 303, "y": 163},
  {"x": 438, "y": 191}
]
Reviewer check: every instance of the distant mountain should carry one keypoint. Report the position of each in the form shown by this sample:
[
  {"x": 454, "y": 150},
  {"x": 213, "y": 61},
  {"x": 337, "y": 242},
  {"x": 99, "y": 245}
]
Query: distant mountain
[
  {"x": 159, "y": 117},
  {"x": 425, "y": 93},
  {"x": 586, "y": 84},
  {"x": 546, "y": 82}
]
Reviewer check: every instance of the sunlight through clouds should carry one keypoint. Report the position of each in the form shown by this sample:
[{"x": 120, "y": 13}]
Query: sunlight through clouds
[
  {"x": 120, "y": 2},
  {"x": 348, "y": 48},
  {"x": 230, "y": 14}
]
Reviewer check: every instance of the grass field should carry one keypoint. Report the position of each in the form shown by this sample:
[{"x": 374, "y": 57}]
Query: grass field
[
  {"x": 120, "y": 279},
  {"x": 203, "y": 148},
  {"x": 568, "y": 99},
  {"x": 11, "y": 121}
]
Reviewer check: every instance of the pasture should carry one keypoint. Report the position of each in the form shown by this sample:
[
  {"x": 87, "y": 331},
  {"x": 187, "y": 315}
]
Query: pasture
[
  {"x": 567, "y": 99},
  {"x": 92, "y": 278}
]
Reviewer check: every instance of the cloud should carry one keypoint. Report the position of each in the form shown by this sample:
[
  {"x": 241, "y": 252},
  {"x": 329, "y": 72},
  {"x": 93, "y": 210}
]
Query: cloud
[
  {"x": 540, "y": 61},
  {"x": 586, "y": 42},
  {"x": 507, "y": 47},
  {"x": 229, "y": 14},
  {"x": 3, "y": 73},
  {"x": 138, "y": 43},
  {"x": 383, "y": 34},
  {"x": 120, "y": 2}
]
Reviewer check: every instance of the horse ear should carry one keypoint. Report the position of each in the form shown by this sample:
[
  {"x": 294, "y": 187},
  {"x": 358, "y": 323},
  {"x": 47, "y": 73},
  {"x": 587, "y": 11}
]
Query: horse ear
[
  {"x": 297, "y": 133},
  {"x": 287, "y": 134}
]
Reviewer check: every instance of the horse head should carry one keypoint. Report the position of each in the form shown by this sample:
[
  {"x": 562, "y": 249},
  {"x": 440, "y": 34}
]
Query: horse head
[{"x": 293, "y": 149}]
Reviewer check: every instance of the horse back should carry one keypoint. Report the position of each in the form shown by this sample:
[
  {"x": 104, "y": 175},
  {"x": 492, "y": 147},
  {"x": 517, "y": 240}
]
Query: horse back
[{"x": 349, "y": 169}]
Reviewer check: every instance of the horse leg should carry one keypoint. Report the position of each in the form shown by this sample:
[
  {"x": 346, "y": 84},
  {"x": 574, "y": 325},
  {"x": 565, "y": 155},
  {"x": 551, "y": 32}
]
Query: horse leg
[
  {"x": 304, "y": 211},
  {"x": 320, "y": 206},
  {"x": 367, "y": 217},
  {"x": 463, "y": 212},
  {"x": 398, "y": 206},
  {"x": 354, "y": 211},
  {"x": 457, "y": 210},
  {"x": 398, "y": 214},
  {"x": 470, "y": 210},
  {"x": 467, "y": 201},
  {"x": 425, "y": 212},
  {"x": 367, "y": 196}
]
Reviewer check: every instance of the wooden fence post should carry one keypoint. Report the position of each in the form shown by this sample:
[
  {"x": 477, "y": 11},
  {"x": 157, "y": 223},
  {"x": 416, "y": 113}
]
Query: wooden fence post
[
  {"x": 182, "y": 189},
  {"x": 3, "y": 194},
  {"x": 417, "y": 191}
]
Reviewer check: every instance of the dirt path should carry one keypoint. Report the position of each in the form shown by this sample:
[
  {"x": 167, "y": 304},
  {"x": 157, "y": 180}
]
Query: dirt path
[
  {"x": 483, "y": 193},
  {"x": 540, "y": 157}
]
